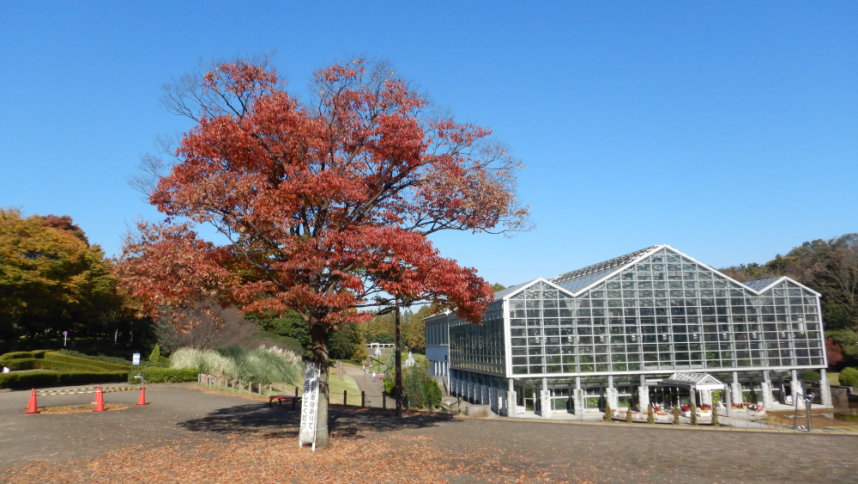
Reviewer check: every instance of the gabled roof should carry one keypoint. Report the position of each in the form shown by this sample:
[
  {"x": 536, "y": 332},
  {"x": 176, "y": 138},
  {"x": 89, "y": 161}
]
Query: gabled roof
[
  {"x": 699, "y": 381},
  {"x": 587, "y": 276},
  {"x": 512, "y": 290},
  {"x": 762, "y": 284}
]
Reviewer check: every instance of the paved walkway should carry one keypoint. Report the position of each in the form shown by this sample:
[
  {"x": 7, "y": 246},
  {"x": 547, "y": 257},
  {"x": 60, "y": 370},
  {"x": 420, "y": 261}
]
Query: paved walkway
[
  {"x": 374, "y": 389},
  {"x": 207, "y": 437}
]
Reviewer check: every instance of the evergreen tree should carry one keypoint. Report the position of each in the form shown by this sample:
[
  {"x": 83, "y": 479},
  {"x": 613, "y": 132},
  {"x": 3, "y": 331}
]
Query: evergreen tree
[
  {"x": 155, "y": 356},
  {"x": 650, "y": 416},
  {"x": 607, "y": 417}
]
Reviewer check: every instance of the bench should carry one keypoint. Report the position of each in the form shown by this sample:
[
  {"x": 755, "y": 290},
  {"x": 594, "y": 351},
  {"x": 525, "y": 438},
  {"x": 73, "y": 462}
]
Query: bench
[{"x": 280, "y": 398}]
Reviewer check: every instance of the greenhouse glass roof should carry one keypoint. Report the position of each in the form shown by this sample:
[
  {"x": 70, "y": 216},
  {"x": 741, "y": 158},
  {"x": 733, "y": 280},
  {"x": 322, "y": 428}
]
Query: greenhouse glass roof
[
  {"x": 578, "y": 279},
  {"x": 762, "y": 283}
]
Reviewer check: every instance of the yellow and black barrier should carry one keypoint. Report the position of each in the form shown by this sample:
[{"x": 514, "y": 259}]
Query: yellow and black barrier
[{"x": 80, "y": 391}]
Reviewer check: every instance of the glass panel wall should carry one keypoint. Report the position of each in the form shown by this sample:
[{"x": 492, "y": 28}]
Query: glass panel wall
[{"x": 662, "y": 314}]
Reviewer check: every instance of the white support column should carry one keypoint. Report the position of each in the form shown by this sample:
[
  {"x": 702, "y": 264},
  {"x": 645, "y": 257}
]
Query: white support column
[
  {"x": 795, "y": 385},
  {"x": 706, "y": 397},
  {"x": 545, "y": 399},
  {"x": 611, "y": 394},
  {"x": 643, "y": 398},
  {"x": 578, "y": 399},
  {"x": 736, "y": 388},
  {"x": 824, "y": 388},
  {"x": 768, "y": 398},
  {"x": 511, "y": 399},
  {"x": 728, "y": 399}
]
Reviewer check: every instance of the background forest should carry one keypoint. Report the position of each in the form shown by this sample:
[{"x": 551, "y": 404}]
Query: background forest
[
  {"x": 829, "y": 267},
  {"x": 52, "y": 280}
]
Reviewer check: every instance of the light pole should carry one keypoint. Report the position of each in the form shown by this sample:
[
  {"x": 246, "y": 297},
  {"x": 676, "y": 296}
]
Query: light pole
[{"x": 808, "y": 398}]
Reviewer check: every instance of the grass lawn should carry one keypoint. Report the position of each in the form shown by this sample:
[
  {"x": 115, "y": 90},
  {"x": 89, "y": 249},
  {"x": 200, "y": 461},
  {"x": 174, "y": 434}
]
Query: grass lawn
[
  {"x": 349, "y": 384},
  {"x": 833, "y": 378}
]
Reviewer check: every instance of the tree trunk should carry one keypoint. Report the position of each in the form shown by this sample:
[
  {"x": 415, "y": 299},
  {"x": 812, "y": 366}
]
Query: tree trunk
[
  {"x": 398, "y": 362},
  {"x": 319, "y": 333}
]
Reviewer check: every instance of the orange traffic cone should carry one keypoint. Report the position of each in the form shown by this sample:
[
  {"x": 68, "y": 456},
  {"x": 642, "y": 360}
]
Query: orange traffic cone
[
  {"x": 142, "y": 399},
  {"x": 99, "y": 400},
  {"x": 32, "y": 408}
]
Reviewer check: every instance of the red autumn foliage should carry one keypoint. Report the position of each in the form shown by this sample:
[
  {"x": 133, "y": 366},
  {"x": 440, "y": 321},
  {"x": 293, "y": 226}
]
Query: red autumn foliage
[
  {"x": 327, "y": 204},
  {"x": 833, "y": 352}
]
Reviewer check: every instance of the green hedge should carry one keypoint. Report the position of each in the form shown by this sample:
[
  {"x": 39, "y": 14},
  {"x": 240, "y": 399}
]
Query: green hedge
[
  {"x": 58, "y": 362},
  {"x": 153, "y": 374},
  {"x": 72, "y": 360},
  {"x": 107, "y": 359},
  {"x": 23, "y": 354},
  {"x": 19, "y": 364},
  {"x": 48, "y": 378}
]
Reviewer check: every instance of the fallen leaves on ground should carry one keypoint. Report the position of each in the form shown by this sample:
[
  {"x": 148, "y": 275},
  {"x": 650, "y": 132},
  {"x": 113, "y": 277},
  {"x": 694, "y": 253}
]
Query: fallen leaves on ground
[
  {"x": 364, "y": 457},
  {"x": 67, "y": 409}
]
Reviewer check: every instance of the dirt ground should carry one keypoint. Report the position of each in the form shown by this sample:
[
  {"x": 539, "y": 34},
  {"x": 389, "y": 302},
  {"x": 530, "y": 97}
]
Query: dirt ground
[{"x": 187, "y": 435}]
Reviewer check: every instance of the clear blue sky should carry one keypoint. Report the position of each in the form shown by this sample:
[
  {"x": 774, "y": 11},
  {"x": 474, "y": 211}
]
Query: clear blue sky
[{"x": 727, "y": 130}]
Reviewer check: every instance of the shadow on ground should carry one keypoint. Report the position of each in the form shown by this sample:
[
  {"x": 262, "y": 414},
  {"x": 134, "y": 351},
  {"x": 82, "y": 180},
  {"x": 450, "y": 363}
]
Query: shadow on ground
[{"x": 283, "y": 422}]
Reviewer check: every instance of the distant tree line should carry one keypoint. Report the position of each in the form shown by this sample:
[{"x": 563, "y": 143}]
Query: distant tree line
[
  {"x": 53, "y": 280},
  {"x": 829, "y": 267}
]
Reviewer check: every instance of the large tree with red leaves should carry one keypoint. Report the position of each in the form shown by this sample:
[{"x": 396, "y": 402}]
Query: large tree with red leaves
[{"x": 327, "y": 202}]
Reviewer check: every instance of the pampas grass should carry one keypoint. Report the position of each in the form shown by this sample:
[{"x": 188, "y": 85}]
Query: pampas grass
[{"x": 260, "y": 366}]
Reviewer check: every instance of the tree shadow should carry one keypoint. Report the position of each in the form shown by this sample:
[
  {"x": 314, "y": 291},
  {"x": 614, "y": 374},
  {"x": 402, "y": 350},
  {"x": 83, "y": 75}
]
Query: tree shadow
[{"x": 283, "y": 422}]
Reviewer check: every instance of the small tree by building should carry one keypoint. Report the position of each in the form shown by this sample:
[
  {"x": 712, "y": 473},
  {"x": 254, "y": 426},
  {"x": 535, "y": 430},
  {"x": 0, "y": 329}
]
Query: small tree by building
[
  {"x": 676, "y": 414},
  {"x": 155, "y": 356},
  {"x": 607, "y": 417},
  {"x": 629, "y": 414},
  {"x": 693, "y": 409},
  {"x": 432, "y": 393},
  {"x": 716, "y": 397},
  {"x": 650, "y": 416}
]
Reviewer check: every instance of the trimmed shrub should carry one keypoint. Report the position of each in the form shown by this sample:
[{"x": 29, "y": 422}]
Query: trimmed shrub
[
  {"x": 48, "y": 378},
  {"x": 154, "y": 374},
  {"x": 693, "y": 409},
  {"x": 650, "y": 416},
  {"x": 849, "y": 377},
  {"x": 676, "y": 415},
  {"x": 629, "y": 414},
  {"x": 432, "y": 392},
  {"x": 155, "y": 356},
  {"x": 607, "y": 417},
  {"x": 810, "y": 376}
]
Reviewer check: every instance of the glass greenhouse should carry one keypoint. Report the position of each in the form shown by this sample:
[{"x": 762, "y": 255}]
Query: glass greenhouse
[{"x": 608, "y": 333}]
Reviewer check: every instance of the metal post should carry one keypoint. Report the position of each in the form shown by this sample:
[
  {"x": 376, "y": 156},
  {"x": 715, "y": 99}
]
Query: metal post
[
  {"x": 345, "y": 397},
  {"x": 383, "y": 401},
  {"x": 362, "y": 399},
  {"x": 398, "y": 355}
]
